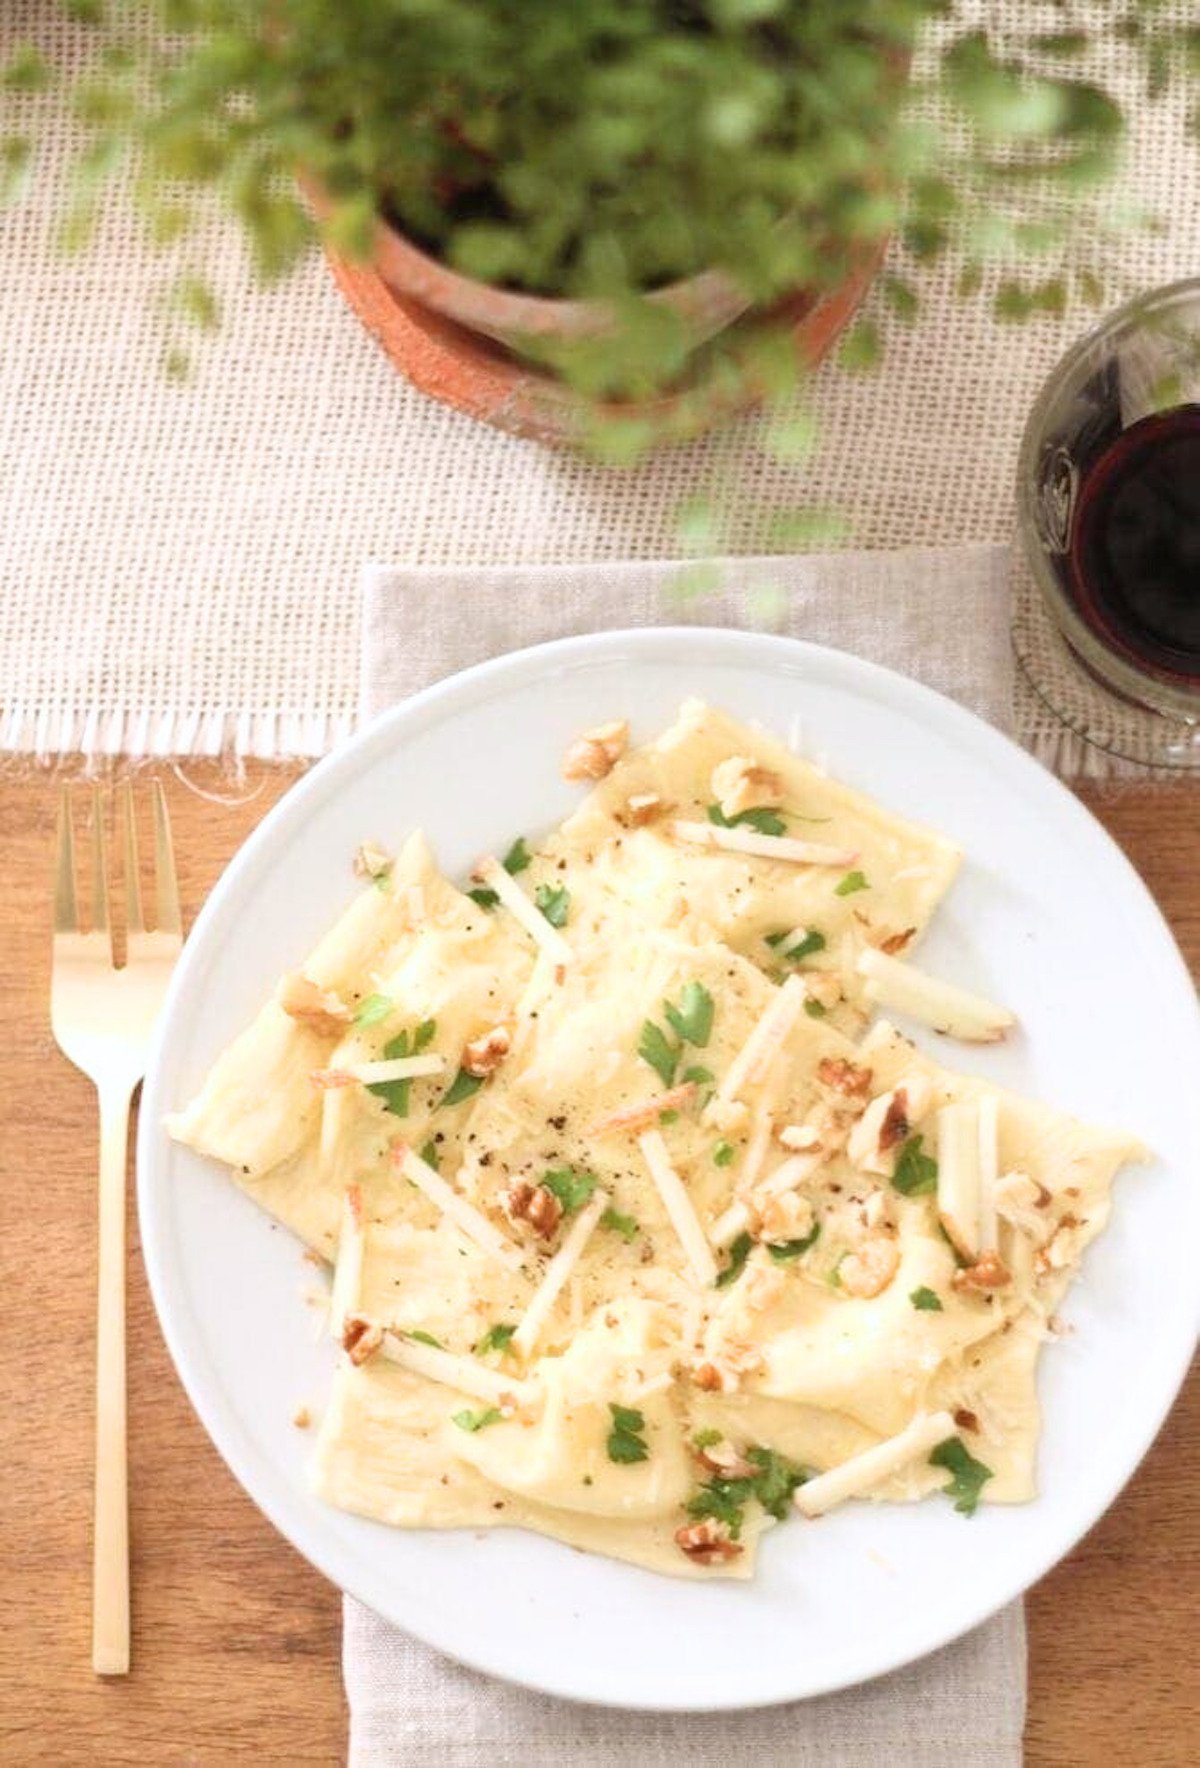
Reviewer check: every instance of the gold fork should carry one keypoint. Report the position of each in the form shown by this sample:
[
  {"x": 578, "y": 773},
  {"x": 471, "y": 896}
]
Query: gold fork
[{"x": 103, "y": 1019}]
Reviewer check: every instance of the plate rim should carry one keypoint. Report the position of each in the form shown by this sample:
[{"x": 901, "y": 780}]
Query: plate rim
[{"x": 305, "y": 797}]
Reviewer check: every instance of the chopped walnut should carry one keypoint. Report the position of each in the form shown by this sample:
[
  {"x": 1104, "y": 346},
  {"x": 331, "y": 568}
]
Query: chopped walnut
[
  {"x": 894, "y": 943},
  {"x": 723, "y": 1459},
  {"x": 786, "y": 1217},
  {"x": 644, "y": 807},
  {"x": 987, "y": 1273},
  {"x": 885, "y": 1124},
  {"x": 1020, "y": 1199},
  {"x": 483, "y": 1055},
  {"x": 798, "y": 1138},
  {"x": 302, "y": 1417},
  {"x": 966, "y": 1420},
  {"x": 535, "y": 1205},
  {"x": 708, "y": 1377},
  {"x": 370, "y": 861},
  {"x": 841, "y": 1075},
  {"x": 707, "y": 1542},
  {"x": 867, "y": 1271},
  {"x": 360, "y": 1339},
  {"x": 593, "y": 755},
  {"x": 740, "y": 784},
  {"x": 319, "y": 1009}
]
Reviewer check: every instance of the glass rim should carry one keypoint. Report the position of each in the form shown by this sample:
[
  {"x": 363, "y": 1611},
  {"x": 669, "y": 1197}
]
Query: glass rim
[{"x": 1114, "y": 670}]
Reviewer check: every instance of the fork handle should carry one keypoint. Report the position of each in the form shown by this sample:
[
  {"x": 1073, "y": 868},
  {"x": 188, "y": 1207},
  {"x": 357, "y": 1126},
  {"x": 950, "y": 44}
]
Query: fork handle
[{"x": 110, "y": 1558}]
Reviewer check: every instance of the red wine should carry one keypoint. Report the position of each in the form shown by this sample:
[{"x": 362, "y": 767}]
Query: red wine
[{"x": 1135, "y": 545}]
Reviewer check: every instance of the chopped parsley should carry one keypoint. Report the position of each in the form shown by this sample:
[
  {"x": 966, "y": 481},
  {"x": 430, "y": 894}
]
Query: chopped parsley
[
  {"x": 626, "y": 1444},
  {"x": 656, "y": 1048},
  {"x": 764, "y": 818},
  {"x": 691, "y": 1017},
  {"x": 463, "y": 1086},
  {"x": 723, "y": 1154},
  {"x": 571, "y": 1188},
  {"x": 430, "y": 1155},
  {"x": 925, "y": 1300},
  {"x": 739, "y": 1252},
  {"x": 375, "y": 1008},
  {"x": 395, "y": 1093},
  {"x": 554, "y": 904},
  {"x": 699, "y": 1077},
  {"x": 485, "y": 898},
  {"x": 382, "y": 878},
  {"x": 496, "y": 1338},
  {"x": 788, "y": 1249},
  {"x": 969, "y": 1476},
  {"x": 420, "y": 1337},
  {"x": 624, "y": 1225},
  {"x": 850, "y": 883},
  {"x": 517, "y": 857},
  {"x": 916, "y": 1173},
  {"x": 809, "y": 942},
  {"x": 473, "y": 1421},
  {"x": 814, "y": 1009},
  {"x": 772, "y": 1484},
  {"x": 704, "y": 1439}
]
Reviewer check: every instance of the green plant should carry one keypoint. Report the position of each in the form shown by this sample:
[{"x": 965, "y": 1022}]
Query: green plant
[{"x": 605, "y": 147}]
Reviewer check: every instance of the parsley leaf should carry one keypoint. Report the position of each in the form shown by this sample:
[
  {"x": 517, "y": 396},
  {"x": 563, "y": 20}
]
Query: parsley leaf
[
  {"x": 916, "y": 1173},
  {"x": 724, "y": 1499},
  {"x": 517, "y": 857},
  {"x": 656, "y": 1048},
  {"x": 496, "y": 1338},
  {"x": 704, "y": 1439},
  {"x": 429, "y": 1154},
  {"x": 394, "y": 1093},
  {"x": 766, "y": 820},
  {"x": 554, "y": 904},
  {"x": 424, "y": 1035},
  {"x": 925, "y": 1300},
  {"x": 814, "y": 1009},
  {"x": 776, "y": 1481},
  {"x": 485, "y": 898},
  {"x": 691, "y": 1017},
  {"x": 624, "y": 1225},
  {"x": 969, "y": 1476},
  {"x": 419, "y": 1337},
  {"x": 723, "y": 1154},
  {"x": 739, "y": 1252},
  {"x": 700, "y": 1077},
  {"x": 809, "y": 942},
  {"x": 626, "y": 1444},
  {"x": 787, "y": 1249},
  {"x": 850, "y": 883},
  {"x": 375, "y": 1008},
  {"x": 571, "y": 1188},
  {"x": 463, "y": 1086},
  {"x": 473, "y": 1421}
]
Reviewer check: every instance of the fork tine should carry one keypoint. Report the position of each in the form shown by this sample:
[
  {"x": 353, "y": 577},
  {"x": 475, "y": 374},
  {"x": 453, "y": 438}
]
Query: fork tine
[
  {"x": 134, "y": 919},
  {"x": 99, "y": 866},
  {"x": 166, "y": 887},
  {"x": 66, "y": 910}
]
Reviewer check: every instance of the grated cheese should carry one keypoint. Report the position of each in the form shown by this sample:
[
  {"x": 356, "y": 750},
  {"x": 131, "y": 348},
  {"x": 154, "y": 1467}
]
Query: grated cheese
[
  {"x": 756, "y": 1054},
  {"x": 473, "y": 1223},
  {"x": 895, "y": 985},
  {"x": 863, "y": 1472},
  {"x": 347, "y": 1270},
  {"x": 492, "y": 873},
  {"x": 678, "y": 1206},
  {"x": 958, "y": 1142},
  {"x": 779, "y": 847},
  {"x": 467, "y": 1374},
  {"x": 557, "y": 1272}
]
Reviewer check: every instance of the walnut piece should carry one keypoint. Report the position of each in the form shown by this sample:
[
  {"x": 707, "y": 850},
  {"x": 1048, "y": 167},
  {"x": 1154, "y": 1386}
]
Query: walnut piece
[
  {"x": 895, "y": 943},
  {"x": 483, "y": 1055},
  {"x": 595, "y": 753},
  {"x": 786, "y": 1217},
  {"x": 867, "y": 1271},
  {"x": 535, "y": 1205},
  {"x": 707, "y": 1542},
  {"x": 740, "y": 783},
  {"x": 360, "y": 1339},
  {"x": 841, "y": 1075},
  {"x": 723, "y": 1459},
  {"x": 319, "y": 1009},
  {"x": 644, "y": 807},
  {"x": 987, "y": 1273}
]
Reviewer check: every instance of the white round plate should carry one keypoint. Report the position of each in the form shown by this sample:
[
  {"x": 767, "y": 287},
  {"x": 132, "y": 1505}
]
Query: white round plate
[{"x": 1047, "y": 916}]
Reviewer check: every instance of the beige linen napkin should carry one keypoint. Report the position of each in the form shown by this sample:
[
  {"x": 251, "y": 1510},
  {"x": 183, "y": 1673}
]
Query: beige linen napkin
[{"x": 942, "y": 616}]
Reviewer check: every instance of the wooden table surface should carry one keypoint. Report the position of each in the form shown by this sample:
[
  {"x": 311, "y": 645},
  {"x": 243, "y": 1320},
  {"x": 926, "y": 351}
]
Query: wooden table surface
[{"x": 236, "y": 1640}]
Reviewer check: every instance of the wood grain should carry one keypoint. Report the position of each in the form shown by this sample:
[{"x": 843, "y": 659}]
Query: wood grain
[{"x": 236, "y": 1641}]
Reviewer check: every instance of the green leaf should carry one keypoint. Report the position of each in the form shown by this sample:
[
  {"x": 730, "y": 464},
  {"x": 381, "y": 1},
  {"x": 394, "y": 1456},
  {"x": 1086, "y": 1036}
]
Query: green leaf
[
  {"x": 789, "y": 1249},
  {"x": 691, "y": 1017},
  {"x": 725, "y": 1500},
  {"x": 626, "y": 1444},
  {"x": 394, "y": 1093},
  {"x": 373, "y": 1010},
  {"x": 968, "y": 1475},
  {"x": 485, "y": 898},
  {"x": 656, "y": 1048},
  {"x": 925, "y": 1300},
  {"x": 496, "y": 1338},
  {"x": 463, "y": 1086},
  {"x": 916, "y": 1173},
  {"x": 424, "y": 1036},
  {"x": 699, "y": 1077},
  {"x": 850, "y": 883},
  {"x": 777, "y": 1479},
  {"x": 517, "y": 857},
  {"x": 814, "y": 1009},
  {"x": 430, "y": 1155},
  {"x": 624, "y": 1225},
  {"x": 704, "y": 1439},
  {"x": 739, "y": 1252},
  {"x": 763, "y": 818},
  {"x": 473, "y": 1421},
  {"x": 554, "y": 904},
  {"x": 723, "y": 1154},
  {"x": 570, "y": 1187},
  {"x": 420, "y": 1337},
  {"x": 805, "y": 946}
]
